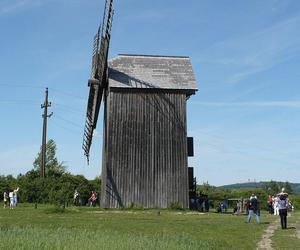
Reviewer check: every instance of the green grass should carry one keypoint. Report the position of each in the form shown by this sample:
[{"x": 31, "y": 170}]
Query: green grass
[
  {"x": 287, "y": 239},
  {"x": 93, "y": 228}
]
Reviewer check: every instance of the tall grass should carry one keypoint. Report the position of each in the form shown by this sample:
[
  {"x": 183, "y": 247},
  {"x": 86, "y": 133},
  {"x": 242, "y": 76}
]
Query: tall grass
[
  {"x": 93, "y": 228},
  {"x": 61, "y": 238}
]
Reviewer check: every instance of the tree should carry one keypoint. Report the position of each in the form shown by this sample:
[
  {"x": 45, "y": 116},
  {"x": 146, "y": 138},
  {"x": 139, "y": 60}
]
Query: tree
[
  {"x": 53, "y": 166},
  {"x": 272, "y": 187},
  {"x": 287, "y": 187}
]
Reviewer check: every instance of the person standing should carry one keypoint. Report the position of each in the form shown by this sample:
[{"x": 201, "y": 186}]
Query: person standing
[
  {"x": 76, "y": 198},
  {"x": 275, "y": 204},
  {"x": 11, "y": 199},
  {"x": 283, "y": 202},
  {"x": 93, "y": 199},
  {"x": 270, "y": 204},
  {"x": 15, "y": 197},
  {"x": 253, "y": 209},
  {"x": 5, "y": 199}
]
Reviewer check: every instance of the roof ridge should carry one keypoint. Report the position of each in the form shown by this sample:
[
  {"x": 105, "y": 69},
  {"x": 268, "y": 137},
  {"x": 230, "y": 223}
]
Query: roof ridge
[{"x": 143, "y": 55}]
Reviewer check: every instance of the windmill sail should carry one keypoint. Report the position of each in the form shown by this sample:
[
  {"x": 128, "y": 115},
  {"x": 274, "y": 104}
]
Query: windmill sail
[{"x": 98, "y": 82}]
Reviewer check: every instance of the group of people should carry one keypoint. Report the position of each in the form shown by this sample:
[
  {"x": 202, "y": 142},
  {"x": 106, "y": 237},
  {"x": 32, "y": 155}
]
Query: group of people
[
  {"x": 11, "y": 198},
  {"x": 238, "y": 208},
  {"x": 273, "y": 204},
  {"x": 92, "y": 200},
  {"x": 280, "y": 204},
  {"x": 200, "y": 203},
  {"x": 222, "y": 206}
]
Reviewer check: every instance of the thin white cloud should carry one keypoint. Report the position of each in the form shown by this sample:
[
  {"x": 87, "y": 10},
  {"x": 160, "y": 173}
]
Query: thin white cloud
[
  {"x": 246, "y": 55},
  {"x": 11, "y": 6},
  {"x": 271, "y": 104},
  {"x": 278, "y": 6}
]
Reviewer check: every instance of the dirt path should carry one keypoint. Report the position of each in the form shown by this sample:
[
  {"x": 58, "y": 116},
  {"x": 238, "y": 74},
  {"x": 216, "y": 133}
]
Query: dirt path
[{"x": 266, "y": 242}]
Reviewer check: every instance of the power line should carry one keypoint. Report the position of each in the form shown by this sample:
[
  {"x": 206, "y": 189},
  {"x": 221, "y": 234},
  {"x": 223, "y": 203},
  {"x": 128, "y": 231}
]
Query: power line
[
  {"x": 68, "y": 121},
  {"x": 67, "y": 94},
  {"x": 70, "y": 130},
  {"x": 69, "y": 108},
  {"x": 28, "y": 102},
  {"x": 22, "y": 85}
]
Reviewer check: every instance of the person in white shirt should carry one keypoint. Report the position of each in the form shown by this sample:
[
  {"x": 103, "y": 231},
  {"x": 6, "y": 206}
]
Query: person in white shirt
[
  {"x": 76, "y": 198},
  {"x": 15, "y": 197},
  {"x": 275, "y": 205},
  {"x": 11, "y": 200},
  {"x": 283, "y": 203}
]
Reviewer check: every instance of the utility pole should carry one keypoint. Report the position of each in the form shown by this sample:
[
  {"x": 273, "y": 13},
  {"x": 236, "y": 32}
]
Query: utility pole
[{"x": 45, "y": 117}]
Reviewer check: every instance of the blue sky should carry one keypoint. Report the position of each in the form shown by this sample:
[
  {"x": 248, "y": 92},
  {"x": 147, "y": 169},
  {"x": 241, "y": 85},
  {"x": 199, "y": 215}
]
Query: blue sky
[{"x": 245, "y": 55}]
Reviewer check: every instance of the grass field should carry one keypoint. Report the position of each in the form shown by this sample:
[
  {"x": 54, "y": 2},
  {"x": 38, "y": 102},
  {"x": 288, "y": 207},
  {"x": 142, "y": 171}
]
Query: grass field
[
  {"x": 290, "y": 238},
  {"x": 93, "y": 228}
]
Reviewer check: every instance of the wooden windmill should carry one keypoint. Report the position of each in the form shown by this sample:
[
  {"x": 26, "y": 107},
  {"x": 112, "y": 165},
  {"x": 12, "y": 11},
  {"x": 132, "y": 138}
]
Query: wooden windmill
[{"x": 144, "y": 158}]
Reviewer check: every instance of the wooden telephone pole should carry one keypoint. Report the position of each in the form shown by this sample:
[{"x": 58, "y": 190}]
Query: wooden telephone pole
[{"x": 45, "y": 116}]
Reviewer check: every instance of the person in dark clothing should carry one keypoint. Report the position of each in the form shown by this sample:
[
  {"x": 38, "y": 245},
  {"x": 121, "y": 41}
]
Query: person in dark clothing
[
  {"x": 283, "y": 206},
  {"x": 253, "y": 209},
  {"x": 270, "y": 204}
]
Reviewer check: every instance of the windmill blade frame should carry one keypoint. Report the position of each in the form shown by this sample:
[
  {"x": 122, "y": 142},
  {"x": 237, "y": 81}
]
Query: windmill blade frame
[{"x": 99, "y": 79}]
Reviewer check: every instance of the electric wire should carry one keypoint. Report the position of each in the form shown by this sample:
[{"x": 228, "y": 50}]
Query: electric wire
[
  {"x": 62, "y": 92},
  {"x": 70, "y": 130},
  {"x": 22, "y": 85},
  {"x": 26, "y": 102},
  {"x": 68, "y": 121},
  {"x": 68, "y": 108},
  {"x": 67, "y": 93}
]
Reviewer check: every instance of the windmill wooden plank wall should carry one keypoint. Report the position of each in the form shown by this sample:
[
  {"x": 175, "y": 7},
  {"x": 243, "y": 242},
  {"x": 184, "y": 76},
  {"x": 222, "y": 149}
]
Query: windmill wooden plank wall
[{"x": 145, "y": 138}]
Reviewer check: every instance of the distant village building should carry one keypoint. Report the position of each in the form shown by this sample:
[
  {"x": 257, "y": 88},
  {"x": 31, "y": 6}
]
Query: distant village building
[{"x": 145, "y": 157}]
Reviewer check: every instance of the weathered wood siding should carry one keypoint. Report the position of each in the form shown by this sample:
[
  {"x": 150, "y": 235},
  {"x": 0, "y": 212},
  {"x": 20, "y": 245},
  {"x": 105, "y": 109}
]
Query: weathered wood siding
[{"x": 145, "y": 150}]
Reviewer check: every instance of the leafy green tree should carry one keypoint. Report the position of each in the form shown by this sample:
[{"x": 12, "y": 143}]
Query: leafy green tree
[
  {"x": 287, "y": 187},
  {"x": 272, "y": 187},
  {"x": 53, "y": 166},
  {"x": 8, "y": 183}
]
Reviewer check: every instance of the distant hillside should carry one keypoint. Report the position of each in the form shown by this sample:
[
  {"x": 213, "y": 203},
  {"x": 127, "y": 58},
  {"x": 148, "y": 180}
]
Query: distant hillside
[{"x": 250, "y": 185}]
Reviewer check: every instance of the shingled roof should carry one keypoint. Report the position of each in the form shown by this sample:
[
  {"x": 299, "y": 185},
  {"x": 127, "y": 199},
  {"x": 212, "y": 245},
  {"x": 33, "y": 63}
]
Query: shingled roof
[{"x": 145, "y": 71}]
